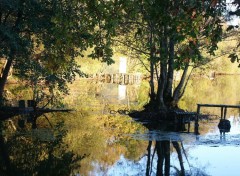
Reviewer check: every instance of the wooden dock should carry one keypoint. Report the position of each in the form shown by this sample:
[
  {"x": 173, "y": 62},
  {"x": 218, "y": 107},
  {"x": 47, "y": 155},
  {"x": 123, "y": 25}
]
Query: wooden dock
[
  {"x": 183, "y": 117},
  {"x": 221, "y": 106},
  {"x": 223, "y": 110},
  {"x": 9, "y": 112},
  {"x": 118, "y": 78},
  {"x": 30, "y": 108}
]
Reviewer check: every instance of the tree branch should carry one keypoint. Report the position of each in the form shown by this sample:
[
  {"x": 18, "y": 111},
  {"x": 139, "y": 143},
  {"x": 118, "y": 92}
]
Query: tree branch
[
  {"x": 184, "y": 88},
  {"x": 132, "y": 47},
  {"x": 177, "y": 91}
]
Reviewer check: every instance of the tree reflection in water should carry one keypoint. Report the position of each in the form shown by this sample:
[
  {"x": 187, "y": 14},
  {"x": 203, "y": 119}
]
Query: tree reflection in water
[
  {"x": 162, "y": 148},
  {"x": 23, "y": 153}
]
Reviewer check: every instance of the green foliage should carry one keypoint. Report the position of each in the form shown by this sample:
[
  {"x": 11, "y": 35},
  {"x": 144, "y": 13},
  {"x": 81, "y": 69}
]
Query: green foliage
[
  {"x": 235, "y": 29},
  {"x": 94, "y": 131},
  {"x": 172, "y": 35},
  {"x": 44, "y": 37}
]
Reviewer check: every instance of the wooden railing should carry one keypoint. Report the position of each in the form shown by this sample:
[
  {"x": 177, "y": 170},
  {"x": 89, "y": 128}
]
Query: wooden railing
[
  {"x": 222, "y": 106},
  {"x": 118, "y": 78}
]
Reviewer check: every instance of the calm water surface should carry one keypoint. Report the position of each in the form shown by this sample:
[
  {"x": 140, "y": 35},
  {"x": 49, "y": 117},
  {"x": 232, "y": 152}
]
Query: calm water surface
[
  {"x": 122, "y": 145},
  {"x": 103, "y": 140}
]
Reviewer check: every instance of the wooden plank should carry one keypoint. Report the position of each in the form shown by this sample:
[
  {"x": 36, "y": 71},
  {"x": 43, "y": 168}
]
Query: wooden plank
[
  {"x": 185, "y": 113},
  {"x": 223, "y": 112},
  {"x": 9, "y": 112},
  {"x": 219, "y": 105}
]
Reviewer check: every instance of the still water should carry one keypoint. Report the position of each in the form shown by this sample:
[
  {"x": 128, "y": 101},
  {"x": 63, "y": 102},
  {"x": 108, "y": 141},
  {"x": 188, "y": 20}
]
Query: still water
[
  {"x": 98, "y": 139},
  {"x": 125, "y": 150}
]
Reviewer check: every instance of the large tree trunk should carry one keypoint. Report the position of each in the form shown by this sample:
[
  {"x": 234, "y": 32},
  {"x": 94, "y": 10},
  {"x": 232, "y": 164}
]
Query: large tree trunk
[
  {"x": 161, "y": 86},
  {"x": 163, "y": 71},
  {"x": 4, "y": 77},
  {"x": 169, "y": 84},
  {"x": 152, "y": 91}
]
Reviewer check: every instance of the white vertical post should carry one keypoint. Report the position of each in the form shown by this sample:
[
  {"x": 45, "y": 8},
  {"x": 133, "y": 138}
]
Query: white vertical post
[{"x": 122, "y": 65}]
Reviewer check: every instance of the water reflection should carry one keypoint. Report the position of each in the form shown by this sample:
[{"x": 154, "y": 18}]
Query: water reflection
[
  {"x": 162, "y": 149},
  {"x": 113, "y": 144},
  {"x": 162, "y": 143},
  {"x": 173, "y": 153},
  {"x": 122, "y": 92},
  {"x": 28, "y": 152},
  {"x": 165, "y": 155},
  {"x": 113, "y": 147},
  {"x": 217, "y": 137}
]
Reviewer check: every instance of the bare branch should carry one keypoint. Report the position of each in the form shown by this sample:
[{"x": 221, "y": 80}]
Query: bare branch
[
  {"x": 48, "y": 120},
  {"x": 136, "y": 49},
  {"x": 176, "y": 93},
  {"x": 132, "y": 47},
  {"x": 186, "y": 83}
]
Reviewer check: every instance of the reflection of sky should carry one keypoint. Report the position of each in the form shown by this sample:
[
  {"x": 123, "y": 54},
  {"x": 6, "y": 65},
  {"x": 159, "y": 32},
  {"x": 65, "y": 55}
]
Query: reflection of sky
[
  {"x": 219, "y": 157},
  {"x": 219, "y": 161},
  {"x": 126, "y": 167},
  {"x": 209, "y": 155},
  {"x": 234, "y": 19},
  {"x": 122, "y": 92}
]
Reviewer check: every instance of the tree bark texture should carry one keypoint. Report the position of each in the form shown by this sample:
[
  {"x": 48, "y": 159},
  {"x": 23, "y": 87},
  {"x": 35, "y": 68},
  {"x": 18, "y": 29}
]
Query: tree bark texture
[
  {"x": 152, "y": 91},
  {"x": 163, "y": 72},
  {"x": 161, "y": 86},
  {"x": 168, "y": 90}
]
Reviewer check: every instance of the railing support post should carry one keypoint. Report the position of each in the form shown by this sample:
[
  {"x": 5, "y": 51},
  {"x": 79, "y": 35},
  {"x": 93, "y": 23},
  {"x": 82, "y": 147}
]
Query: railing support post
[{"x": 196, "y": 120}]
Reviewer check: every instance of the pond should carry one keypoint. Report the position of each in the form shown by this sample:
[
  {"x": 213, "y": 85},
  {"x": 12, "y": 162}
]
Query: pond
[{"x": 99, "y": 138}]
